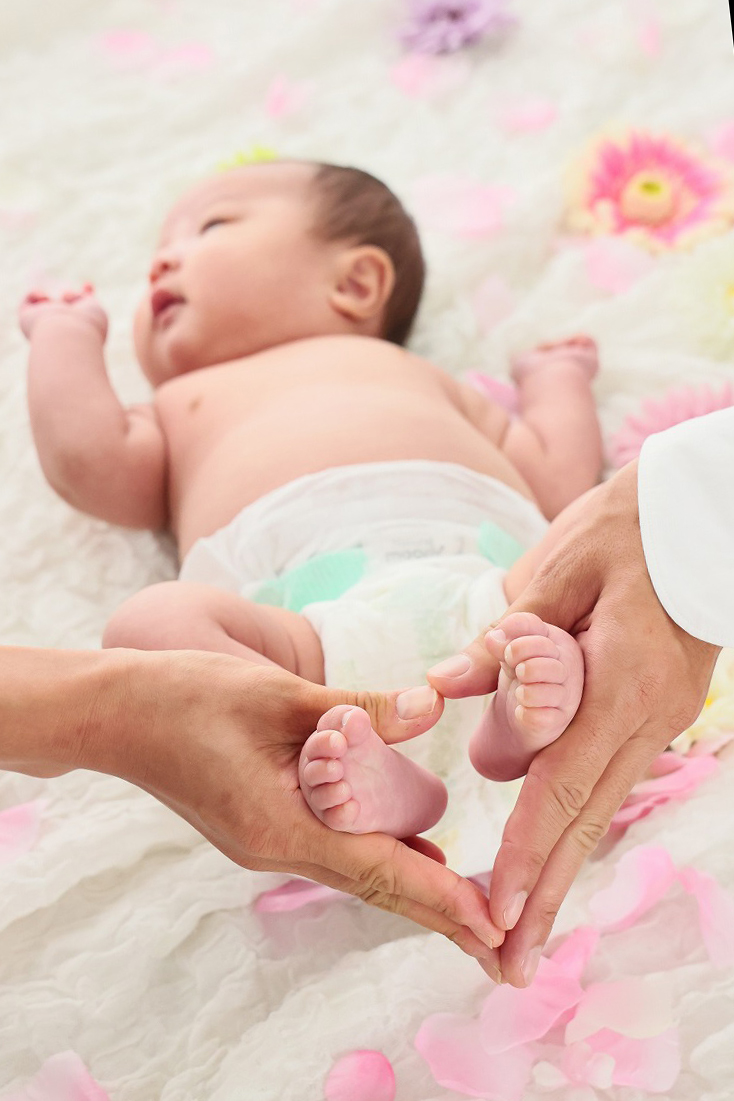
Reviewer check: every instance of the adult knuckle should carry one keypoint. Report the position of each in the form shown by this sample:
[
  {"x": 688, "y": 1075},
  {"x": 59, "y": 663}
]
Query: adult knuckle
[
  {"x": 588, "y": 832},
  {"x": 568, "y": 796}
]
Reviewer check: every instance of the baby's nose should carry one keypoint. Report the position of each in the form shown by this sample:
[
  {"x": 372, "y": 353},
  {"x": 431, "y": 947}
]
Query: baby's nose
[{"x": 163, "y": 262}]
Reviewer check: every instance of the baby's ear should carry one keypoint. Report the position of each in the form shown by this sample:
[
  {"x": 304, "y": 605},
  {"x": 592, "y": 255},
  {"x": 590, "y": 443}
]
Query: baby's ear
[{"x": 364, "y": 281}]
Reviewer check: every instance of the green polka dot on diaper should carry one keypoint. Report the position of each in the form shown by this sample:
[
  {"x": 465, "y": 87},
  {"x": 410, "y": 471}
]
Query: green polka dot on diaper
[
  {"x": 495, "y": 544},
  {"x": 325, "y": 577}
]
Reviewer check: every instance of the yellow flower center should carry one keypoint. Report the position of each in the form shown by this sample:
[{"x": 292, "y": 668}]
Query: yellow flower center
[
  {"x": 649, "y": 199},
  {"x": 729, "y": 297}
]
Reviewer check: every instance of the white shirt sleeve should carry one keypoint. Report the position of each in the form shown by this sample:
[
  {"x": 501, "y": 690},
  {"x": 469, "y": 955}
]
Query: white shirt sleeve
[{"x": 686, "y": 499}]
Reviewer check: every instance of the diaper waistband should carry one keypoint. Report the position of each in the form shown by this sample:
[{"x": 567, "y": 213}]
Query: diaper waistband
[{"x": 412, "y": 508}]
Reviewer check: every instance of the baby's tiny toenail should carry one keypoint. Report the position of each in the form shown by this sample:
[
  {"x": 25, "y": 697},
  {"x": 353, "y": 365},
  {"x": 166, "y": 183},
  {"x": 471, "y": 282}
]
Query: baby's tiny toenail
[
  {"x": 508, "y": 653},
  {"x": 497, "y": 635},
  {"x": 520, "y": 669},
  {"x": 345, "y": 717}
]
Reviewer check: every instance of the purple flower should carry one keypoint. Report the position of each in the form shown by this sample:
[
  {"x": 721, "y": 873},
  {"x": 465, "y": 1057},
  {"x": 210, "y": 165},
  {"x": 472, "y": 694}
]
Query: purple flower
[{"x": 443, "y": 26}]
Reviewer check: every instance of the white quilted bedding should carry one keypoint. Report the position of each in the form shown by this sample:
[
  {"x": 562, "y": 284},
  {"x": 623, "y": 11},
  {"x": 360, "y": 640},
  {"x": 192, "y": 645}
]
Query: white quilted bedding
[{"x": 123, "y": 936}]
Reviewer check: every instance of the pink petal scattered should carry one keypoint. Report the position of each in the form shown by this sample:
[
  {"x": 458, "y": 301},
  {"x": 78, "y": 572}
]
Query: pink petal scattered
[
  {"x": 652, "y": 1064},
  {"x": 293, "y": 895},
  {"x": 285, "y": 97},
  {"x": 19, "y": 828},
  {"x": 576, "y": 950},
  {"x": 453, "y": 1048},
  {"x": 421, "y": 76},
  {"x": 510, "y": 1017},
  {"x": 529, "y": 116},
  {"x": 584, "y": 1066},
  {"x": 496, "y": 389},
  {"x": 137, "y": 50},
  {"x": 126, "y": 43},
  {"x": 641, "y": 878},
  {"x": 189, "y": 56},
  {"x": 722, "y": 141},
  {"x": 361, "y": 1076},
  {"x": 460, "y": 206},
  {"x": 635, "y": 1007},
  {"x": 716, "y": 915},
  {"x": 678, "y": 778},
  {"x": 63, "y": 1077},
  {"x": 492, "y": 302},
  {"x": 649, "y": 36},
  {"x": 615, "y": 265}
]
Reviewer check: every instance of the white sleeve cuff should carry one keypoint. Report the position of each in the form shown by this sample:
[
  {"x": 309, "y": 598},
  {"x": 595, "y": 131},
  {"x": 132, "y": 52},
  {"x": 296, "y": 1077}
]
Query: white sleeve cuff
[{"x": 686, "y": 501}]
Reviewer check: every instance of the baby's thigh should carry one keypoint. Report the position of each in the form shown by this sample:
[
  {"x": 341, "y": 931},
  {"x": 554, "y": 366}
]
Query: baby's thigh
[{"x": 182, "y": 615}]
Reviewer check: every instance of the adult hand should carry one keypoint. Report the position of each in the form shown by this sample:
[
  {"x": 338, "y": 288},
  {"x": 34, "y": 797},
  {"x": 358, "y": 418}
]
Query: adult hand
[
  {"x": 646, "y": 681},
  {"x": 218, "y": 740}
]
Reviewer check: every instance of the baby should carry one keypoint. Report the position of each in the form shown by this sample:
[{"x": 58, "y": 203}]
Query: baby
[{"x": 292, "y": 441}]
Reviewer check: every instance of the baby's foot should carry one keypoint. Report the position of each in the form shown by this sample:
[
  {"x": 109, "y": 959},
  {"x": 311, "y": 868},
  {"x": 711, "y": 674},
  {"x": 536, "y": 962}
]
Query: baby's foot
[
  {"x": 538, "y": 693},
  {"x": 355, "y": 783},
  {"x": 579, "y": 350}
]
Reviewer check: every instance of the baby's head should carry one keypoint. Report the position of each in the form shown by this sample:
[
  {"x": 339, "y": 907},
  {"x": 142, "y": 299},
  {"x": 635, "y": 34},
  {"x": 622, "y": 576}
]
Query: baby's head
[{"x": 270, "y": 253}]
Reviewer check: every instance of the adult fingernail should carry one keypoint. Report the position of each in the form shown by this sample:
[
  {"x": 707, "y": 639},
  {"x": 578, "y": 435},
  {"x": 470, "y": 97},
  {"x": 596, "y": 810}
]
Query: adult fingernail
[
  {"x": 497, "y": 635},
  {"x": 416, "y": 702},
  {"x": 530, "y": 964},
  {"x": 513, "y": 909},
  {"x": 452, "y": 667},
  {"x": 491, "y": 970}
]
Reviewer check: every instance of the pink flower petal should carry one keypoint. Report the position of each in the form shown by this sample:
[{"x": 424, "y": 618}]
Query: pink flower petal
[
  {"x": 716, "y": 914},
  {"x": 126, "y": 43},
  {"x": 641, "y": 878},
  {"x": 615, "y": 265},
  {"x": 492, "y": 302},
  {"x": 457, "y": 205},
  {"x": 583, "y": 1065},
  {"x": 361, "y": 1076},
  {"x": 722, "y": 141},
  {"x": 679, "y": 777},
  {"x": 636, "y": 1007},
  {"x": 511, "y": 1017},
  {"x": 652, "y": 1064},
  {"x": 528, "y": 116},
  {"x": 421, "y": 76},
  {"x": 61, "y": 1078},
  {"x": 293, "y": 895},
  {"x": 19, "y": 827},
  {"x": 576, "y": 950},
  {"x": 496, "y": 389},
  {"x": 285, "y": 97},
  {"x": 649, "y": 36},
  {"x": 453, "y": 1048}
]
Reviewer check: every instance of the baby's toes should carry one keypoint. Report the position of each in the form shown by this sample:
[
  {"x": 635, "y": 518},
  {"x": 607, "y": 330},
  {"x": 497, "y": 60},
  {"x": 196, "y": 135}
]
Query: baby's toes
[
  {"x": 537, "y": 670},
  {"x": 342, "y": 817},
  {"x": 519, "y": 624},
  {"x": 529, "y": 648},
  {"x": 540, "y": 695},
  {"x": 321, "y": 748},
  {"x": 326, "y": 796},
  {"x": 324, "y": 770}
]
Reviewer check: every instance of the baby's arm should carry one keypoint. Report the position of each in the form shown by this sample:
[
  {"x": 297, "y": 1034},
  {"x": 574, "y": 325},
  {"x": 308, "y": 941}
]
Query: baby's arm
[{"x": 100, "y": 457}]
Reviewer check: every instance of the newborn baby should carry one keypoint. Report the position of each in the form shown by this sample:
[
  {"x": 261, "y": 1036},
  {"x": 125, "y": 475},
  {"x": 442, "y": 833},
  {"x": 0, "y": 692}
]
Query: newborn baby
[{"x": 292, "y": 441}]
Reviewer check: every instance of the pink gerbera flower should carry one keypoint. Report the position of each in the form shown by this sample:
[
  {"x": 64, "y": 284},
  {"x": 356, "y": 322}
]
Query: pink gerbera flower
[{"x": 652, "y": 189}]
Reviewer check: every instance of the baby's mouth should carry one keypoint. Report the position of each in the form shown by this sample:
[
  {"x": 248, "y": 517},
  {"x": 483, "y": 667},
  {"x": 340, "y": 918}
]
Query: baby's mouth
[{"x": 162, "y": 304}]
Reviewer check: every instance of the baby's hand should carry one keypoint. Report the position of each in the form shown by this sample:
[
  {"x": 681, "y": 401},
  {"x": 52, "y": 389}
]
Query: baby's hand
[{"x": 37, "y": 304}]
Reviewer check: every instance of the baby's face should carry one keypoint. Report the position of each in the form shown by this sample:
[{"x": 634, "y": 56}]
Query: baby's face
[{"x": 237, "y": 270}]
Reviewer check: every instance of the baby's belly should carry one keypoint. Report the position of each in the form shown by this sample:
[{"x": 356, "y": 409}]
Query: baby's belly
[{"x": 265, "y": 453}]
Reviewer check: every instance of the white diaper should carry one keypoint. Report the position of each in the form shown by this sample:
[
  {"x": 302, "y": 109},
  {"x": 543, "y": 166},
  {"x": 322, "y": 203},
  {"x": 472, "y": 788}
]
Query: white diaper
[{"x": 397, "y": 566}]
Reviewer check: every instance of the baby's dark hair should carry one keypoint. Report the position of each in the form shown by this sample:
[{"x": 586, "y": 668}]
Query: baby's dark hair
[{"x": 355, "y": 206}]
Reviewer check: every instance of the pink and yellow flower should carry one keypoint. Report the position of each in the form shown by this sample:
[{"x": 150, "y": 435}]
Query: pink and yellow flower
[{"x": 652, "y": 189}]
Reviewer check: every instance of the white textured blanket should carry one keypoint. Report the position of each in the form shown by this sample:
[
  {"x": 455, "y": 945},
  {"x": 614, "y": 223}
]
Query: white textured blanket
[{"x": 123, "y": 936}]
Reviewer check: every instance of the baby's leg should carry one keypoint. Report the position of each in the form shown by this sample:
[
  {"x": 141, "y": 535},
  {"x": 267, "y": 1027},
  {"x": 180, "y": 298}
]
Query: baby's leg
[
  {"x": 351, "y": 780},
  {"x": 556, "y": 442},
  {"x": 541, "y": 677},
  {"x": 355, "y": 783},
  {"x": 181, "y": 615}
]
